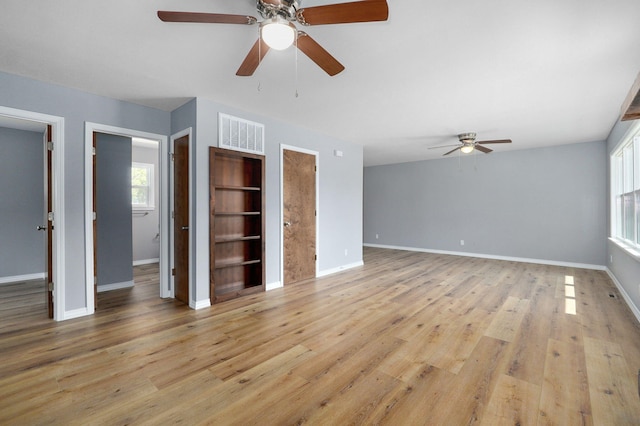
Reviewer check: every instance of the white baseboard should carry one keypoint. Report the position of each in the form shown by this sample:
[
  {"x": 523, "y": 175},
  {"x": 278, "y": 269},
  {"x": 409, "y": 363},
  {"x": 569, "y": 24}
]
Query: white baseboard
[
  {"x": 339, "y": 269},
  {"x": 200, "y": 304},
  {"x": 273, "y": 285},
  {"x": 625, "y": 295},
  {"x": 494, "y": 257},
  {"x": 114, "y": 286},
  {"x": 145, "y": 261},
  {"x": 18, "y": 278}
]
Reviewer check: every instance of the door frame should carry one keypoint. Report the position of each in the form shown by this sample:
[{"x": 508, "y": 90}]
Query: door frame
[
  {"x": 90, "y": 128},
  {"x": 171, "y": 288},
  {"x": 316, "y": 154},
  {"x": 57, "y": 188}
]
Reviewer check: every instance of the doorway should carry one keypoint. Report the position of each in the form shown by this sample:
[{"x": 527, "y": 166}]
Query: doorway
[
  {"x": 161, "y": 201},
  {"x": 36, "y": 212},
  {"x": 299, "y": 214}
]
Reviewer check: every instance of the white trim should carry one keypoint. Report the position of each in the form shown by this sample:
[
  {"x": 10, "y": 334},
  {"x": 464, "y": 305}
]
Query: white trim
[
  {"x": 170, "y": 289},
  {"x": 316, "y": 154},
  {"x": 77, "y": 313},
  {"x": 146, "y": 261},
  {"x": 200, "y": 304},
  {"x": 57, "y": 187},
  {"x": 274, "y": 285},
  {"x": 625, "y": 295},
  {"x": 90, "y": 128},
  {"x": 340, "y": 269},
  {"x": 19, "y": 278},
  {"x": 626, "y": 248},
  {"x": 115, "y": 286},
  {"x": 494, "y": 257}
]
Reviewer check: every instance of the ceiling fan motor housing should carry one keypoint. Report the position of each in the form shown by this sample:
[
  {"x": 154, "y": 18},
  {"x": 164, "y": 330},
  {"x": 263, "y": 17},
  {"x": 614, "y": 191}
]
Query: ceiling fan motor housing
[
  {"x": 467, "y": 138},
  {"x": 285, "y": 9}
]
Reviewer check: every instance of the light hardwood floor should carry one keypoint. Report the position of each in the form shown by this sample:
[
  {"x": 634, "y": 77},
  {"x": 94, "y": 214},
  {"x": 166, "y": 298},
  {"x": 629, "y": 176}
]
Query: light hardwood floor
[{"x": 410, "y": 338}]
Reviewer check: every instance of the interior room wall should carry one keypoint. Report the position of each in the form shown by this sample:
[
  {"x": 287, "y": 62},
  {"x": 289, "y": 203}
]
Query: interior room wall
[
  {"x": 113, "y": 211},
  {"x": 624, "y": 266},
  {"x": 77, "y": 107},
  {"x": 339, "y": 180},
  {"x": 22, "y": 247},
  {"x": 547, "y": 204},
  {"x": 146, "y": 223}
]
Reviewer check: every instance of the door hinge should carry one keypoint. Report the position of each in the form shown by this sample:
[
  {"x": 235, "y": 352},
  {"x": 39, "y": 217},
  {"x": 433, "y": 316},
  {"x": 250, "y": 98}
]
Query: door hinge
[
  {"x": 50, "y": 146},
  {"x": 50, "y": 286},
  {"x": 95, "y": 215},
  {"x": 93, "y": 150},
  {"x": 173, "y": 156},
  {"x": 315, "y": 257},
  {"x": 173, "y": 214},
  {"x": 50, "y": 216},
  {"x": 173, "y": 271},
  {"x": 315, "y": 168}
]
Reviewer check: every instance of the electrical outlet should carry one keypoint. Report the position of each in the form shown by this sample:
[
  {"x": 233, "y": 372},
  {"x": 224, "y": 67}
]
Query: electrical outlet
[
  {"x": 461, "y": 242},
  {"x": 346, "y": 252},
  {"x": 611, "y": 259},
  {"x": 377, "y": 236}
]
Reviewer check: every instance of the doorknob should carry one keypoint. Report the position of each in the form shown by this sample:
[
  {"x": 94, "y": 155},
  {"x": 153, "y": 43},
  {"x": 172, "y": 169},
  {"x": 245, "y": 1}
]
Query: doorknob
[
  {"x": 185, "y": 228},
  {"x": 41, "y": 228},
  {"x": 287, "y": 224}
]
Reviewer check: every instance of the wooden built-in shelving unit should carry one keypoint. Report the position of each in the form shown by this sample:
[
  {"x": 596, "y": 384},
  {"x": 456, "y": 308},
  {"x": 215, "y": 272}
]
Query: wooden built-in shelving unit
[{"x": 236, "y": 185}]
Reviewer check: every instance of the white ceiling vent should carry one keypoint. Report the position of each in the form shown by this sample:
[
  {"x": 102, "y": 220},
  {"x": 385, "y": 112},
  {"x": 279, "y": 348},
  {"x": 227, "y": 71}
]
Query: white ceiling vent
[{"x": 240, "y": 135}]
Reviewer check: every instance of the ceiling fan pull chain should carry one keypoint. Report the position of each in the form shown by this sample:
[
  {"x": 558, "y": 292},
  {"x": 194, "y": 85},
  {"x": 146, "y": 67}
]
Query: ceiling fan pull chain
[
  {"x": 296, "y": 65},
  {"x": 259, "y": 55}
]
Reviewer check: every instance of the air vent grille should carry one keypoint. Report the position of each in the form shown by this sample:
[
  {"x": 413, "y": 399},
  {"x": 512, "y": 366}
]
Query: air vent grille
[{"x": 240, "y": 134}]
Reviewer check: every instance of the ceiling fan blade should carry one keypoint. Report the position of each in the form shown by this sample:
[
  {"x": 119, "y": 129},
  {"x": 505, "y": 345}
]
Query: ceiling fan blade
[
  {"x": 483, "y": 149},
  {"x": 443, "y": 146},
  {"x": 453, "y": 150},
  {"x": 344, "y": 13},
  {"x": 317, "y": 54},
  {"x": 253, "y": 59},
  {"x": 206, "y": 18},
  {"x": 496, "y": 141}
]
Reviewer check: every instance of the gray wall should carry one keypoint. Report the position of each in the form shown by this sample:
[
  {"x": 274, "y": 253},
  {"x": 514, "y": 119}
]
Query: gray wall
[
  {"x": 547, "y": 204},
  {"x": 77, "y": 107},
  {"x": 339, "y": 180},
  {"x": 624, "y": 267},
  {"x": 146, "y": 224},
  {"x": 21, "y": 203},
  {"x": 113, "y": 209}
]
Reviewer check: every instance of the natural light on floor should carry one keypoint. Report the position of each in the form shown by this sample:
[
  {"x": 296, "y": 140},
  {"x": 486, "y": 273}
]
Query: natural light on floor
[{"x": 569, "y": 295}]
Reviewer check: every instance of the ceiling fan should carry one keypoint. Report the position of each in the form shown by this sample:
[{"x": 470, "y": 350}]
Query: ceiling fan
[
  {"x": 468, "y": 143},
  {"x": 277, "y": 29}
]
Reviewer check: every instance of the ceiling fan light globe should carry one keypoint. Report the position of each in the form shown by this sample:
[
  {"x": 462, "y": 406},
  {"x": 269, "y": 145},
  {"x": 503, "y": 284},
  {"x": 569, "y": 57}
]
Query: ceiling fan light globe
[
  {"x": 466, "y": 149},
  {"x": 278, "y": 35}
]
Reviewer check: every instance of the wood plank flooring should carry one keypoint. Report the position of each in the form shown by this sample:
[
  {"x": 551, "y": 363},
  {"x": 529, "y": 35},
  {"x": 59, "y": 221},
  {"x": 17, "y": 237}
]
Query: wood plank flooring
[{"x": 407, "y": 339}]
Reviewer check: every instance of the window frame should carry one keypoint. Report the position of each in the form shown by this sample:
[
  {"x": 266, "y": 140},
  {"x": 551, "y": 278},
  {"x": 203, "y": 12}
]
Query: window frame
[
  {"x": 150, "y": 205},
  {"x": 620, "y": 179}
]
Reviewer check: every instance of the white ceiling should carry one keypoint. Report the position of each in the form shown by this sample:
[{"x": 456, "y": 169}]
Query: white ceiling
[{"x": 542, "y": 72}]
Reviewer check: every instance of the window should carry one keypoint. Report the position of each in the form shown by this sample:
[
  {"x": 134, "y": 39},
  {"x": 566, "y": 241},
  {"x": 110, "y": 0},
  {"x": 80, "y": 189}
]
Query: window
[
  {"x": 625, "y": 188},
  {"x": 142, "y": 186}
]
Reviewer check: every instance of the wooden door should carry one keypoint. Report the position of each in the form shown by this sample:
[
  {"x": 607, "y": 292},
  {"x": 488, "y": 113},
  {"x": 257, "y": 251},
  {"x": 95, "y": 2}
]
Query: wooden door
[
  {"x": 181, "y": 218},
  {"x": 299, "y": 227},
  {"x": 48, "y": 149}
]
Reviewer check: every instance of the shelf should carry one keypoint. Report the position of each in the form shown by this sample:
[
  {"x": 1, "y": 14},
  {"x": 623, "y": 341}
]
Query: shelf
[
  {"x": 238, "y": 188},
  {"x": 236, "y": 226},
  {"x": 238, "y": 213},
  {"x": 234, "y": 239},
  {"x": 232, "y": 263}
]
